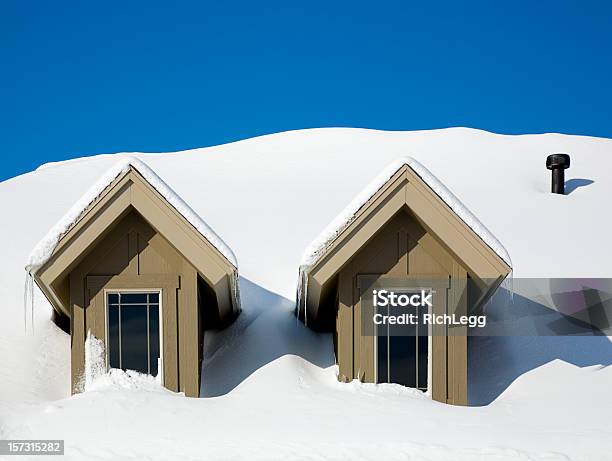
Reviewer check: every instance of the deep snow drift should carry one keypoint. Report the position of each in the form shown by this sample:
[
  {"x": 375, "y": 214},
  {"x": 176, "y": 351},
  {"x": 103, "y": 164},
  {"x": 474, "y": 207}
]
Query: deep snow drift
[{"x": 270, "y": 381}]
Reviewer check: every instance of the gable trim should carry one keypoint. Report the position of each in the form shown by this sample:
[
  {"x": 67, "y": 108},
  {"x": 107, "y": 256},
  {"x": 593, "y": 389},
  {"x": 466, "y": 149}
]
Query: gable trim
[
  {"x": 131, "y": 190},
  {"x": 405, "y": 187}
]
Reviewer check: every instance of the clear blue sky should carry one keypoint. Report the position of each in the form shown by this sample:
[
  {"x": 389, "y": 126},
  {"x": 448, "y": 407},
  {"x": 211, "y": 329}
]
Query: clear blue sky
[{"x": 80, "y": 78}]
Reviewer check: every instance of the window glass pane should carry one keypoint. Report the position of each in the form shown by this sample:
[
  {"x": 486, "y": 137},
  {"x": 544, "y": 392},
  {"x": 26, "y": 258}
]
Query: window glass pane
[
  {"x": 134, "y": 350},
  {"x": 133, "y": 331},
  {"x": 402, "y": 349},
  {"x": 113, "y": 336},
  {"x": 113, "y": 298},
  {"x": 423, "y": 365},
  {"x": 402, "y": 360},
  {"x": 382, "y": 349},
  {"x": 383, "y": 371},
  {"x": 423, "y": 349},
  {"x": 133, "y": 298},
  {"x": 154, "y": 338}
]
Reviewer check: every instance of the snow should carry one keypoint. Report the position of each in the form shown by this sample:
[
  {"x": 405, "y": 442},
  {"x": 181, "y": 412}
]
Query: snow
[
  {"x": 269, "y": 382},
  {"x": 95, "y": 364},
  {"x": 317, "y": 248},
  {"x": 45, "y": 247}
]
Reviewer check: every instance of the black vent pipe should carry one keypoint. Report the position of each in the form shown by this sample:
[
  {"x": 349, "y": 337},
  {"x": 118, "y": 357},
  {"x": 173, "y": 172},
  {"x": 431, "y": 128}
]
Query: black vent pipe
[{"x": 558, "y": 163}]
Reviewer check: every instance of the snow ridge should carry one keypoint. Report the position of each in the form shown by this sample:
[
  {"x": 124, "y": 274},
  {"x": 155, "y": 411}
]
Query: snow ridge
[{"x": 45, "y": 247}]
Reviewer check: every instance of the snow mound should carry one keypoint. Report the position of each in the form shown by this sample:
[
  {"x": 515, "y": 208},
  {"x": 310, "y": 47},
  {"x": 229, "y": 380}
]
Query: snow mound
[
  {"x": 319, "y": 246},
  {"x": 543, "y": 386},
  {"x": 115, "y": 379},
  {"x": 45, "y": 247},
  {"x": 95, "y": 364}
]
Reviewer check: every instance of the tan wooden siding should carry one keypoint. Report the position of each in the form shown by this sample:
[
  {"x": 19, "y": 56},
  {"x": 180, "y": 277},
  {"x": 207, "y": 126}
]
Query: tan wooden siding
[
  {"x": 134, "y": 256},
  {"x": 405, "y": 188},
  {"x": 130, "y": 191},
  {"x": 402, "y": 248}
]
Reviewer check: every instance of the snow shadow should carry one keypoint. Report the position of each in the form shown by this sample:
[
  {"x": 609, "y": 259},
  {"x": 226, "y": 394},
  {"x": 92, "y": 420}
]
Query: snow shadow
[
  {"x": 534, "y": 335},
  {"x": 265, "y": 330},
  {"x": 572, "y": 184}
]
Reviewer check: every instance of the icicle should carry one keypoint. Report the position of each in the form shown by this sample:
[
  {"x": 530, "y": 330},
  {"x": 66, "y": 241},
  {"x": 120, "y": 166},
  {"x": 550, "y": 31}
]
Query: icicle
[
  {"x": 298, "y": 297},
  {"x": 235, "y": 288},
  {"x": 26, "y": 291},
  {"x": 28, "y": 302},
  {"x": 305, "y": 298},
  {"x": 32, "y": 302},
  {"x": 508, "y": 285}
]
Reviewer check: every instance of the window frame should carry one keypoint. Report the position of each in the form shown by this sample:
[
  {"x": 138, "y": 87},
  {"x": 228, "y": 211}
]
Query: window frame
[
  {"x": 159, "y": 292},
  {"x": 429, "y": 349}
]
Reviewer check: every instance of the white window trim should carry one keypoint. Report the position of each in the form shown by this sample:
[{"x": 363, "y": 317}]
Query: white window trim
[{"x": 159, "y": 291}]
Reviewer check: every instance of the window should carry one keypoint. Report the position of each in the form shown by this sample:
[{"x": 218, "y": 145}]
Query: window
[
  {"x": 402, "y": 350},
  {"x": 133, "y": 331}
]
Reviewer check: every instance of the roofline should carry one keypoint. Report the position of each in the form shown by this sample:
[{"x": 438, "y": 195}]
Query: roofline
[
  {"x": 389, "y": 172},
  {"x": 305, "y": 270},
  {"x": 130, "y": 188},
  {"x": 123, "y": 169}
]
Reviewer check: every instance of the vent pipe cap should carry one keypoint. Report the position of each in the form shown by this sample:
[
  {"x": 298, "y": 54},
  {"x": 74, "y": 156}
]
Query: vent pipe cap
[{"x": 558, "y": 161}]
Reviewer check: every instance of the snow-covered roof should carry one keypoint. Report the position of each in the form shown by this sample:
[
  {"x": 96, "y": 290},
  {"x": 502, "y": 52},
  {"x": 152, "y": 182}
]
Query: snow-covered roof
[
  {"x": 45, "y": 247},
  {"x": 319, "y": 246},
  {"x": 266, "y": 356}
]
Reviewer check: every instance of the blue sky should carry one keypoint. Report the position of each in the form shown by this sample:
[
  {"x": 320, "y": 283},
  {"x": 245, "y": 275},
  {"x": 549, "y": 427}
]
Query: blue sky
[{"x": 80, "y": 78}]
